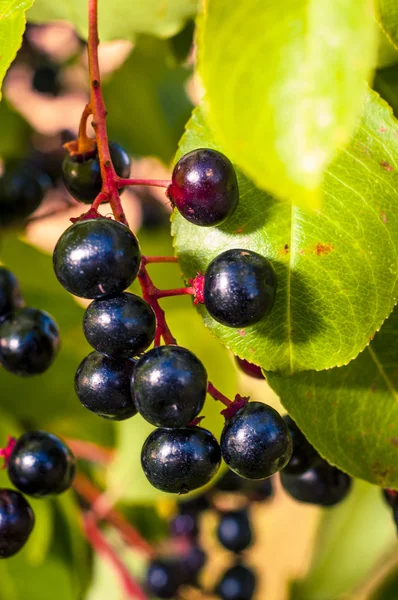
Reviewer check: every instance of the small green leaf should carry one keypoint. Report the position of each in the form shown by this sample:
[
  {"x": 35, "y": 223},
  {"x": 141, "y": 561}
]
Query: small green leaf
[
  {"x": 337, "y": 269},
  {"x": 284, "y": 85},
  {"x": 350, "y": 414},
  {"x": 351, "y": 539},
  {"x": 388, "y": 18},
  {"x": 12, "y": 26},
  {"x": 148, "y": 114},
  {"x": 119, "y": 20}
]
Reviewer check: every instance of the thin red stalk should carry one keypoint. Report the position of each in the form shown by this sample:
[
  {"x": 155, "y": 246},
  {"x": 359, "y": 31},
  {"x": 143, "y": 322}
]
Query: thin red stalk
[
  {"x": 164, "y": 183},
  {"x": 189, "y": 291},
  {"x": 159, "y": 259},
  {"x": 87, "y": 490},
  {"x": 102, "y": 546},
  {"x": 90, "y": 451},
  {"x": 217, "y": 395},
  {"x": 148, "y": 292},
  {"x": 97, "y": 104}
]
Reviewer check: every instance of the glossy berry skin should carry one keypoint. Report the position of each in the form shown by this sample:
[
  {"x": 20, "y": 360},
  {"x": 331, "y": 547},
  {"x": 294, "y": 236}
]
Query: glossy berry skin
[
  {"x": 180, "y": 460},
  {"x": 16, "y": 522},
  {"x": 164, "y": 578},
  {"x": 323, "y": 485},
  {"x": 237, "y": 583},
  {"x": 304, "y": 455},
  {"x": 10, "y": 292},
  {"x": 102, "y": 385},
  {"x": 239, "y": 288},
  {"x": 204, "y": 188},
  {"x": 249, "y": 368},
  {"x": 169, "y": 386},
  {"x": 22, "y": 189},
  {"x": 29, "y": 341},
  {"x": 234, "y": 531},
  {"x": 41, "y": 464},
  {"x": 255, "y": 442},
  {"x": 121, "y": 326},
  {"x": 96, "y": 258},
  {"x": 82, "y": 173}
]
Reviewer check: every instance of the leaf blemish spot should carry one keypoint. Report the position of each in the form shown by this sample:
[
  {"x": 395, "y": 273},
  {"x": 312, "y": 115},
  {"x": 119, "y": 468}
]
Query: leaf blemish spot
[
  {"x": 394, "y": 441},
  {"x": 384, "y": 217},
  {"x": 386, "y": 166},
  {"x": 242, "y": 332},
  {"x": 323, "y": 248}
]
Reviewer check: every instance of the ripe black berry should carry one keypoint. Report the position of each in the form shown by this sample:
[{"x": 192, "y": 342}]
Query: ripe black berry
[
  {"x": 22, "y": 188},
  {"x": 10, "y": 292},
  {"x": 204, "y": 187},
  {"x": 41, "y": 464},
  {"x": 239, "y": 288},
  {"x": 16, "y": 522},
  {"x": 82, "y": 173},
  {"x": 255, "y": 442},
  {"x": 121, "y": 326},
  {"x": 96, "y": 258},
  {"x": 180, "y": 460},
  {"x": 237, "y": 583},
  {"x": 234, "y": 531},
  {"x": 46, "y": 80},
  {"x": 249, "y": 368},
  {"x": 102, "y": 385},
  {"x": 163, "y": 578},
  {"x": 192, "y": 563},
  {"x": 184, "y": 525},
  {"x": 323, "y": 485},
  {"x": 29, "y": 340},
  {"x": 304, "y": 455},
  {"x": 169, "y": 386}
]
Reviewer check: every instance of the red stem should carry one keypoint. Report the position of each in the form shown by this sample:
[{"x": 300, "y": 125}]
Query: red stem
[
  {"x": 149, "y": 292},
  {"x": 159, "y": 259},
  {"x": 97, "y": 105},
  {"x": 174, "y": 292},
  {"x": 217, "y": 395},
  {"x": 164, "y": 183},
  {"x": 87, "y": 490},
  {"x": 102, "y": 546},
  {"x": 90, "y": 451}
]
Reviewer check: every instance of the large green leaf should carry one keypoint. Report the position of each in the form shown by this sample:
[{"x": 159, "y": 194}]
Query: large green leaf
[
  {"x": 126, "y": 479},
  {"x": 351, "y": 540},
  {"x": 337, "y": 269},
  {"x": 119, "y": 20},
  {"x": 156, "y": 107},
  {"x": 350, "y": 414},
  {"x": 12, "y": 26},
  {"x": 284, "y": 85},
  {"x": 49, "y": 400},
  {"x": 388, "y": 17}
]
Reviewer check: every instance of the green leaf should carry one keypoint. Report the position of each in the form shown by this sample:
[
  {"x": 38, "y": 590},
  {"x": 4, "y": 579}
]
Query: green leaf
[
  {"x": 126, "y": 479},
  {"x": 351, "y": 539},
  {"x": 49, "y": 401},
  {"x": 350, "y": 414},
  {"x": 119, "y": 21},
  {"x": 337, "y": 270},
  {"x": 15, "y": 133},
  {"x": 12, "y": 26},
  {"x": 147, "y": 114},
  {"x": 284, "y": 90},
  {"x": 388, "y": 19}
]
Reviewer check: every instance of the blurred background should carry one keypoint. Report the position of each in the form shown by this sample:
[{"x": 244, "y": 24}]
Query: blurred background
[{"x": 299, "y": 552}]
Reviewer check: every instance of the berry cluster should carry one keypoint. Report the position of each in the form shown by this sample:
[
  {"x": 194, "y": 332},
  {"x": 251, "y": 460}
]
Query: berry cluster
[
  {"x": 39, "y": 464},
  {"x": 29, "y": 338},
  {"x": 166, "y": 575}
]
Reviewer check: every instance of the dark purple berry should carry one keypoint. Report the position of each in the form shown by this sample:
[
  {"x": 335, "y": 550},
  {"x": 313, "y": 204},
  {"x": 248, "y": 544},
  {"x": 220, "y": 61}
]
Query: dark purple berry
[
  {"x": 164, "y": 577},
  {"x": 169, "y": 386},
  {"x": 239, "y": 288},
  {"x": 304, "y": 455},
  {"x": 323, "y": 485},
  {"x": 255, "y": 442},
  {"x": 180, "y": 460},
  {"x": 237, "y": 583},
  {"x": 96, "y": 258},
  {"x": 29, "y": 341},
  {"x": 41, "y": 464},
  {"x": 192, "y": 563},
  {"x": 10, "y": 292},
  {"x": 249, "y": 368},
  {"x": 121, "y": 326},
  {"x": 46, "y": 80},
  {"x": 22, "y": 189},
  {"x": 16, "y": 522},
  {"x": 234, "y": 531},
  {"x": 102, "y": 385},
  {"x": 184, "y": 525},
  {"x": 82, "y": 173},
  {"x": 204, "y": 188}
]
